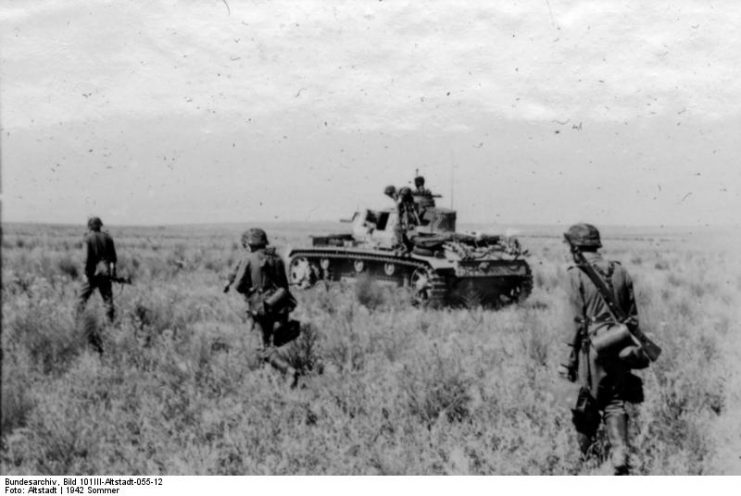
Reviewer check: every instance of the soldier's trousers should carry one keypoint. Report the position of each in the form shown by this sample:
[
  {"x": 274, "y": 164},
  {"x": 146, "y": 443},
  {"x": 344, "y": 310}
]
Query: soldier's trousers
[
  {"x": 615, "y": 418},
  {"x": 270, "y": 354},
  {"x": 104, "y": 287}
]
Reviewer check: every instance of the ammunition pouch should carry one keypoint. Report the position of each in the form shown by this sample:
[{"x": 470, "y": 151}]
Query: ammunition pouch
[
  {"x": 585, "y": 414},
  {"x": 285, "y": 332}
]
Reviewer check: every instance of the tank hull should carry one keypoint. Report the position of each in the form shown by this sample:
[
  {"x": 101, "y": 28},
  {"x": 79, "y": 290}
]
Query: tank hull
[{"x": 434, "y": 281}]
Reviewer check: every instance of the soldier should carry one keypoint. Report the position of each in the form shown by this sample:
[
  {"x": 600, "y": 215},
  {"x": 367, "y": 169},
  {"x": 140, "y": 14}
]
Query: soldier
[
  {"x": 422, "y": 196},
  {"x": 100, "y": 266},
  {"x": 407, "y": 212},
  {"x": 390, "y": 191},
  {"x": 606, "y": 383},
  {"x": 261, "y": 278},
  {"x": 408, "y": 218}
]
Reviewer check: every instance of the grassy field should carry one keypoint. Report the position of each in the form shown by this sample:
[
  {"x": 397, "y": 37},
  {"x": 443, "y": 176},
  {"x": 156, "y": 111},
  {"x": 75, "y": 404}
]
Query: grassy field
[{"x": 387, "y": 388}]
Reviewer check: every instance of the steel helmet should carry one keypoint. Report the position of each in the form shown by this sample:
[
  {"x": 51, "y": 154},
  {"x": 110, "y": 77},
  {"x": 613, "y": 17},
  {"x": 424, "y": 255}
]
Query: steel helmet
[
  {"x": 389, "y": 190},
  {"x": 584, "y": 235},
  {"x": 94, "y": 223},
  {"x": 255, "y": 237},
  {"x": 419, "y": 181}
]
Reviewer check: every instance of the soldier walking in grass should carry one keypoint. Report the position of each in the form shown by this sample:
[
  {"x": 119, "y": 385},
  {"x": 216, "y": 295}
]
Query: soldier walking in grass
[
  {"x": 99, "y": 267},
  {"x": 604, "y": 377},
  {"x": 261, "y": 278}
]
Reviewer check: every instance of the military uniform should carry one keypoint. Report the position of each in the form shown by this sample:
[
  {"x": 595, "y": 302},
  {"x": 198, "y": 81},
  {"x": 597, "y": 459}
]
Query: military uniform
[
  {"x": 99, "y": 265},
  {"x": 407, "y": 215},
  {"x": 606, "y": 382},
  {"x": 422, "y": 196},
  {"x": 261, "y": 278}
]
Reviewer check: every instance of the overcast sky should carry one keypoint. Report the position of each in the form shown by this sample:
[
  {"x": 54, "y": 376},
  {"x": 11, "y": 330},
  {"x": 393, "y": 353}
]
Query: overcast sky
[{"x": 534, "y": 112}]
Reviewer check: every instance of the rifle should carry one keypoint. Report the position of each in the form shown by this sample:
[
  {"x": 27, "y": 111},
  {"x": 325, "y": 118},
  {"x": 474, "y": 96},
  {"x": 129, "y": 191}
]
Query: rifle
[
  {"x": 120, "y": 280},
  {"x": 651, "y": 349}
]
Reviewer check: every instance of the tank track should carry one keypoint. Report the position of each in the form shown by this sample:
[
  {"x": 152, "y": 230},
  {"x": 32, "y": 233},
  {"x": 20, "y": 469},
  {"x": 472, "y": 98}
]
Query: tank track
[{"x": 438, "y": 291}]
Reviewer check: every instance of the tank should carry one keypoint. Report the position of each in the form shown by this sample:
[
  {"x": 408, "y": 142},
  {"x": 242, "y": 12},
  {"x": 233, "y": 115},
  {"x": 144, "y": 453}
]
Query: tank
[{"x": 414, "y": 244}]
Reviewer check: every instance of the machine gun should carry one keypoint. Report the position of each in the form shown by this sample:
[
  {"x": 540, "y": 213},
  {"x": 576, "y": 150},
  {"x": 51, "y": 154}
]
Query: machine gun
[{"x": 651, "y": 349}]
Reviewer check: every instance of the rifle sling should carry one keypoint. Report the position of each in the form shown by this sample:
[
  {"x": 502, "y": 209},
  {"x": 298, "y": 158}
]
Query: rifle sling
[{"x": 612, "y": 305}]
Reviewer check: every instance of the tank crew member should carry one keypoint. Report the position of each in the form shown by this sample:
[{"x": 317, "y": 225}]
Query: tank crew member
[
  {"x": 408, "y": 218},
  {"x": 422, "y": 196}
]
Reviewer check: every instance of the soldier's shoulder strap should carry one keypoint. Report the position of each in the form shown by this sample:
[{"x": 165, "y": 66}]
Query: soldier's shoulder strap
[
  {"x": 605, "y": 275},
  {"x": 605, "y": 290}
]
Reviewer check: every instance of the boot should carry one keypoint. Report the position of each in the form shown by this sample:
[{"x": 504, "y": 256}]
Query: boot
[
  {"x": 111, "y": 314},
  {"x": 585, "y": 442},
  {"x": 617, "y": 432},
  {"x": 96, "y": 342}
]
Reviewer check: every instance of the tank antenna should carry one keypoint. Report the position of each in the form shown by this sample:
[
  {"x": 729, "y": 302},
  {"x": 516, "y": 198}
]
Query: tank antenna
[{"x": 452, "y": 179}]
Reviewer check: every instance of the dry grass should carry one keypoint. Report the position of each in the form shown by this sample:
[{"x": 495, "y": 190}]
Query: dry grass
[{"x": 388, "y": 388}]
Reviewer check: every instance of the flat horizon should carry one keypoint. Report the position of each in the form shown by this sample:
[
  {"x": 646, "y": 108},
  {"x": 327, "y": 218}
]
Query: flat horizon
[{"x": 519, "y": 229}]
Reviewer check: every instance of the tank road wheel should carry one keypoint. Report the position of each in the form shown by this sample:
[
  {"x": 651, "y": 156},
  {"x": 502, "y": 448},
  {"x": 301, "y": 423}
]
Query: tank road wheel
[
  {"x": 324, "y": 271},
  {"x": 359, "y": 266},
  {"x": 428, "y": 288},
  {"x": 389, "y": 269},
  {"x": 302, "y": 273}
]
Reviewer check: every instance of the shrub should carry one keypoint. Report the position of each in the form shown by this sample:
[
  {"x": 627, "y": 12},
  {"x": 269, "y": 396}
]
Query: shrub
[
  {"x": 304, "y": 353},
  {"x": 128, "y": 266},
  {"x": 368, "y": 292},
  {"x": 16, "y": 400},
  {"x": 435, "y": 386},
  {"x": 661, "y": 265},
  {"x": 51, "y": 339},
  {"x": 68, "y": 266}
]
